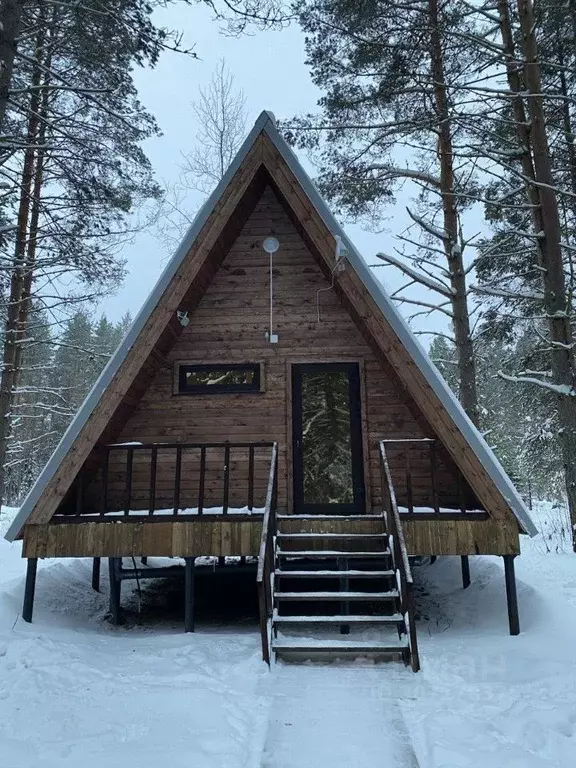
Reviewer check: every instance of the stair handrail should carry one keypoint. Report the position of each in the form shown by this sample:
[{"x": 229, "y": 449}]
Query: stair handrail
[
  {"x": 265, "y": 573},
  {"x": 400, "y": 559}
]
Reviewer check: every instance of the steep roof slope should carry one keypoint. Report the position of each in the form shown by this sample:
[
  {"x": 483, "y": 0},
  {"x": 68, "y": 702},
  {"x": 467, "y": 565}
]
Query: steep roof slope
[{"x": 264, "y": 146}]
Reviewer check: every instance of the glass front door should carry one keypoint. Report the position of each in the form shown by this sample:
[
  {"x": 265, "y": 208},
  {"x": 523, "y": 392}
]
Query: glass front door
[{"x": 327, "y": 439}]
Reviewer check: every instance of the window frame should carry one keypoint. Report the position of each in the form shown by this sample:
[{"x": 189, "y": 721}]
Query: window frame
[{"x": 182, "y": 368}]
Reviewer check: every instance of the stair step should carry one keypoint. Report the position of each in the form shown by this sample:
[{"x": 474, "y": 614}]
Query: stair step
[
  {"x": 312, "y": 553},
  {"x": 339, "y": 518},
  {"x": 338, "y": 646},
  {"x": 341, "y": 596},
  {"x": 334, "y": 574},
  {"x": 395, "y": 618},
  {"x": 318, "y": 535}
]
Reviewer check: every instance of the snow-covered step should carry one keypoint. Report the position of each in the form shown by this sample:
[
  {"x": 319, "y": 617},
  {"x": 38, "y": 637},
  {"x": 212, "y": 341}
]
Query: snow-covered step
[
  {"x": 331, "y": 553},
  {"x": 336, "y": 536},
  {"x": 331, "y": 574},
  {"x": 395, "y": 618},
  {"x": 342, "y": 596},
  {"x": 334, "y": 647},
  {"x": 338, "y": 518}
]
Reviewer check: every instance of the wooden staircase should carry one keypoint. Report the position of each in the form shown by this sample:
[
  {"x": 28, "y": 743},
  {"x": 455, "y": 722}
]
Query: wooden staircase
[
  {"x": 333, "y": 586},
  {"x": 335, "y": 591}
]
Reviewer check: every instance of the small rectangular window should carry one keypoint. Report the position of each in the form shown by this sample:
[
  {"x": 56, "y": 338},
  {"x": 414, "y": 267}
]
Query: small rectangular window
[{"x": 219, "y": 378}]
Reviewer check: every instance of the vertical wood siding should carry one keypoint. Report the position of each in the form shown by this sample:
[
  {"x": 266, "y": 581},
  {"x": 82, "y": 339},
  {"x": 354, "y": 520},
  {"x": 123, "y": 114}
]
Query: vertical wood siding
[{"x": 229, "y": 325}]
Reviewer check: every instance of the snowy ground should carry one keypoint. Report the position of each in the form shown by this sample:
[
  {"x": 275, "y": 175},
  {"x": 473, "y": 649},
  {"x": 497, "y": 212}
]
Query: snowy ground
[{"x": 76, "y": 692}]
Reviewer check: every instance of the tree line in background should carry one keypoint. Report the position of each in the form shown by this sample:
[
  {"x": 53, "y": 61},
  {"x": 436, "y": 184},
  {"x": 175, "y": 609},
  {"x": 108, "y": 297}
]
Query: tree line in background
[{"x": 55, "y": 376}]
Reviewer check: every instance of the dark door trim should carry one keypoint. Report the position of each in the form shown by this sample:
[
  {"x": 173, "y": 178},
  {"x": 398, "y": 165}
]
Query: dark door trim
[{"x": 358, "y": 506}]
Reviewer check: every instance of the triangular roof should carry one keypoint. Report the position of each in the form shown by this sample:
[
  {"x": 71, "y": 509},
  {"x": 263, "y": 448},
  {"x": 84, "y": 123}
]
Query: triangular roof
[{"x": 265, "y": 151}]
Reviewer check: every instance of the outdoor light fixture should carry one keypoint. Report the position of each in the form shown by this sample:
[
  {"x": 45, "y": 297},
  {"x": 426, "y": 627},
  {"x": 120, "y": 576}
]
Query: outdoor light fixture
[
  {"x": 183, "y": 318},
  {"x": 271, "y": 245}
]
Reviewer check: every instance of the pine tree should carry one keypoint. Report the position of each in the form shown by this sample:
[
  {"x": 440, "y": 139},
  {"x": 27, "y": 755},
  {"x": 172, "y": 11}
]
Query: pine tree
[{"x": 392, "y": 73}]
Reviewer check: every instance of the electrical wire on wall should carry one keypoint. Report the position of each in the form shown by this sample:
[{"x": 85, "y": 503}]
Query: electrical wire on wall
[{"x": 340, "y": 253}]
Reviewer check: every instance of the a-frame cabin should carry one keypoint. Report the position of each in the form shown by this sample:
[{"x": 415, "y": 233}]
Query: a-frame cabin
[{"x": 269, "y": 401}]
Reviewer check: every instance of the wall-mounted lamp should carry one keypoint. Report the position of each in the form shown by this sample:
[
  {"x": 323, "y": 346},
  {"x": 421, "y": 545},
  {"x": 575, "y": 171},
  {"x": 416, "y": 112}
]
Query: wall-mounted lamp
[
  {"x": 183, "y": 318},
  {"x": 271, "y": 245}
]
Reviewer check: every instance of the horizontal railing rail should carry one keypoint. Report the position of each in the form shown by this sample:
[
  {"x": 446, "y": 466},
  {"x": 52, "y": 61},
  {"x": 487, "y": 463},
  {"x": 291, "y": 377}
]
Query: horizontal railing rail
[
  {"x": 172, "y": 480},
  {"x": 265, "y": 573},
  {"x": 400, "y": 559}
]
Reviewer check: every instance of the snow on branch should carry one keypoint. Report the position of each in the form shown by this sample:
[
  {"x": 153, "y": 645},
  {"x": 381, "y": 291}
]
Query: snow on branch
[
  {"x": 521, "y": 293},
  {"x": 559, "y": 389},
  {"x": 418, "y": 276},
  {"x": 427, "y": 227},
  {"x": 394, "y": 172}
]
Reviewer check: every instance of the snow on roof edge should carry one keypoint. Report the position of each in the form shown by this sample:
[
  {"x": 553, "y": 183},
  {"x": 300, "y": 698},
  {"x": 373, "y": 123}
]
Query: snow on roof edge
[{"x": 266, "y": 121}]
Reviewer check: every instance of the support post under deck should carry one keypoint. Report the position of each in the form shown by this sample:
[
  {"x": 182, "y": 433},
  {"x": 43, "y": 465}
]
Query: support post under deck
[
  {"x": 189, "y": 594},
  {"x": 465, "y": 571},
  {"x": 511, "y": 594},
  {"x": 96, "y": 574},
  {"x": 29, "y": 589},
  {"x": 115, "y": 587}
]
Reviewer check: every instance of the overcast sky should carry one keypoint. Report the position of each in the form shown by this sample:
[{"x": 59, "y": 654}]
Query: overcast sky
[{"x": 269, "y": 68}]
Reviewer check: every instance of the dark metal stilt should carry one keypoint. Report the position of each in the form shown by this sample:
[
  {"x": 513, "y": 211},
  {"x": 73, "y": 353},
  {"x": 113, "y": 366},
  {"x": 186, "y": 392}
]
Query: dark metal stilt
[
  {"x": 96, "y": 574},
  {"x": 144, "y": 560},
  {"x": 29, "y": 589},
  {"x": 511, "y": 595},
  {"x": 465, "y": 571},
  {"x": 221, "y": 562},
  {"x": 433, "y": 559},
  {"x": 115, "y": 587},
  {"x": 189, "y": 595}
]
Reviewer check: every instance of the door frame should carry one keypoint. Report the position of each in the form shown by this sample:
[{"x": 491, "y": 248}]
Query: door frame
[{"x": 357, "y": 437}]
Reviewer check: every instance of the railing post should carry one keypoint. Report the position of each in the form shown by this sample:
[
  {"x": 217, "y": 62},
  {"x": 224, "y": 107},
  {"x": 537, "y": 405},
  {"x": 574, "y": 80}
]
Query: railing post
[
  {"x": 104, "y": 494},
  {"x": 153, "y": 464},
  {"x": 251, "y": 478},
  {"x": 226, "y": 490},
  {"x": 128, "y": 486},
  {"x": 433, "y": 480},
  {"x": 79, "y": 492},
  {"x": 177, "y": 474},
  {"x": 202, "y": 479},
  {"x": 408, "y": 469}
]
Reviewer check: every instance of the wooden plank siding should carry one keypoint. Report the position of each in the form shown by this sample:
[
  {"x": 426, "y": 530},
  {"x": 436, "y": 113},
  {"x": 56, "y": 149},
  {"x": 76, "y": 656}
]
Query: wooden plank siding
[
  {"x": 229, "y": 325},
  {"x": 206, "y": 537}
]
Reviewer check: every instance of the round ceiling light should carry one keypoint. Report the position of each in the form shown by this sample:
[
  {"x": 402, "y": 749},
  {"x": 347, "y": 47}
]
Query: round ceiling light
[{"x": 271, "y": 245}]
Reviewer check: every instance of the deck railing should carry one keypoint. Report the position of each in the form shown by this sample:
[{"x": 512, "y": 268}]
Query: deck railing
[
  {"x": 178, "y": 480},
  {"x": 400, "y": 560},
  {"x": 415, "y": 464},
  {"x": 265, "y": 574}
]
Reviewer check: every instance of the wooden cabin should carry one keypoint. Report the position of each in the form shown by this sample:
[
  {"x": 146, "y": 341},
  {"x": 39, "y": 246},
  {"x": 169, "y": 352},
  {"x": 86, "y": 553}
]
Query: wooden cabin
[{"x": 270, "y": 402}]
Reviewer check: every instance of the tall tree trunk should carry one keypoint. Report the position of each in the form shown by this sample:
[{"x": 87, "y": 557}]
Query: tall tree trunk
[
  {"x": 468, "y": 393},
  {"x": 10, "y": 18},
  {"x": 542, "y": 194},
  {"x": 18, "y": 278},
  {"x": 32, "y": 240}
]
